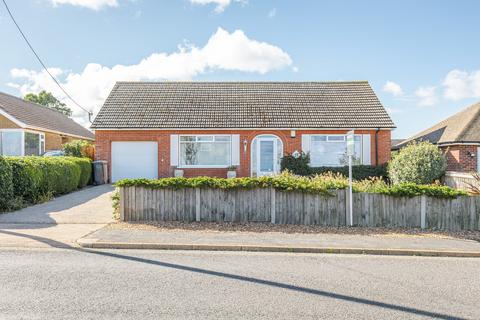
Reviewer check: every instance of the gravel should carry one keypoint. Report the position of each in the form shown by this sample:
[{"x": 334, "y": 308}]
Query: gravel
[{"x": 267, "y": 227}]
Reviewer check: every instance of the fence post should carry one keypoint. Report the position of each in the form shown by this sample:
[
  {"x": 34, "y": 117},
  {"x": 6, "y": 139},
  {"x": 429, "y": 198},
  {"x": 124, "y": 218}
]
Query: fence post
[
  {"x": 423, "y": 211},
  {"x": 347, "y": 208},
  {"x": 272, "y": 205},
  {"x": 197, "y": 204},
  {"x": 121, "y": 203}
]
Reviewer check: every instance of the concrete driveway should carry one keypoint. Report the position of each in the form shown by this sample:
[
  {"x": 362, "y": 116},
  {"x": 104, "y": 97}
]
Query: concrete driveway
[{"x": 59, "y": 222}]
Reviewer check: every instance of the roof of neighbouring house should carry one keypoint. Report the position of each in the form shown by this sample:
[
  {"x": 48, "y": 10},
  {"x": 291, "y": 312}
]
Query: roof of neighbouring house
[
  {"x": 463, "y": 127},
  {"x": 394, "y": 142},
  {"x": 162, "y": 105},
  {"x": 35, "y": 116}
]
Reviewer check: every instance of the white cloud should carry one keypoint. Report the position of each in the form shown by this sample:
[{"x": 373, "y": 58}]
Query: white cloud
[
  {"x": 272, "y": 13},
  {"x": 223, "y": 51},
  {"x": 461, "y": 84},
  {"x": 393, "y": 110},
  {"x": 90, "y": 4},
  {"x": 393, "y": 88},
  {"x": 427, "y": 96},
  {"x": 221, "y": 5}
]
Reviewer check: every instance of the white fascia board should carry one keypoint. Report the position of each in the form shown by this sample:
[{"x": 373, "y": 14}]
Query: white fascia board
[{"x": 12, "y": 118}]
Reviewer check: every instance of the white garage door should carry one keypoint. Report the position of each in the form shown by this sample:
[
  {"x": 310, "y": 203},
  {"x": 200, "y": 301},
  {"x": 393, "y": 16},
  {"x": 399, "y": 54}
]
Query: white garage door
[{"x": 134, "y": 159}]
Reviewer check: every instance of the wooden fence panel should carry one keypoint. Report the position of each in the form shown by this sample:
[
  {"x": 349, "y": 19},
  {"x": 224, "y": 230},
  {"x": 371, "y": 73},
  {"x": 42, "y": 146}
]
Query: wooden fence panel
[{"x": 370, "y": 210}]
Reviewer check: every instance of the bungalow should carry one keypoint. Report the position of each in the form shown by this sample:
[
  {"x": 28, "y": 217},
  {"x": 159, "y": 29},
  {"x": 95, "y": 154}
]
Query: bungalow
[
  {"x": 458, "y": 136},
  {"x": 27, "y": 128},
  {"x": 147, "y": 129}
]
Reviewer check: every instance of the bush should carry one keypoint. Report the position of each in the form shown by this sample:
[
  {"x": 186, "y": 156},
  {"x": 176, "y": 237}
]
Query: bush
[
  {"x": 300, "y": 165},
  {"x": 320, "y": 184},
  {"x": 419, "y": 163},
  {"x": 6, "y": 184},
  {"x": 36, "y": 179},
  {"x": 85, "y": 165},
  {"x": 79, "y": 149}
]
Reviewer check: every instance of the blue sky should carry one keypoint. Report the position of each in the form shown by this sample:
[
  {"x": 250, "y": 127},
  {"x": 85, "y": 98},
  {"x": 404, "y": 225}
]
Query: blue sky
[{"x": 421, "y": 57}]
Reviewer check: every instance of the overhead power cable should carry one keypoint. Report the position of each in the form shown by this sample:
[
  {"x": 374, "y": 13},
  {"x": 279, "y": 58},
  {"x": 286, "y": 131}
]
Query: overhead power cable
[{"x": 43, "y": 64}]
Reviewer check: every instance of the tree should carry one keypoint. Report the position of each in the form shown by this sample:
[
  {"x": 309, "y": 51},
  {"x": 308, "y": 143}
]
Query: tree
[
  {"x": 47, "y": 99},
  {"x": 418, "y": 162}
]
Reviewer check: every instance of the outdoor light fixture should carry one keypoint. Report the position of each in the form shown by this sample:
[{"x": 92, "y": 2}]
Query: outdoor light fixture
[
  {"x": 293, "y": 133},
  {"x": 245, "y": 142},
  {"x": 471, "y": 154}
]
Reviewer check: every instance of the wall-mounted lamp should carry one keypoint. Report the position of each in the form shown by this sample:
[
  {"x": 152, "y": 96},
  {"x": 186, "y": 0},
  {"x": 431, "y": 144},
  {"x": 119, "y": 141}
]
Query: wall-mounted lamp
[
  {"x": 471, "y": 154},
  {"x": 293, "y": 133},
  {"x": 245, "y": 143}
]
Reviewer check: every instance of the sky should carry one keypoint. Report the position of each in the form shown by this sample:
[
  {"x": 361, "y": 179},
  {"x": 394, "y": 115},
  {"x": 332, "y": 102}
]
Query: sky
[{"x": 422, "y": 58}]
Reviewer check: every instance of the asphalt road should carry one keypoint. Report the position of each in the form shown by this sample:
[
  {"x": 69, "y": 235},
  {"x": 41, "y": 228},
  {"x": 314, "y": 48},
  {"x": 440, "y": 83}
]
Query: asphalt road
[{"x": 129, "y": 284}]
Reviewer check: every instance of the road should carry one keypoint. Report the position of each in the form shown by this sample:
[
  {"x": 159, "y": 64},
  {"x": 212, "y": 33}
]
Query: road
[{"x": 54, "y": 283}]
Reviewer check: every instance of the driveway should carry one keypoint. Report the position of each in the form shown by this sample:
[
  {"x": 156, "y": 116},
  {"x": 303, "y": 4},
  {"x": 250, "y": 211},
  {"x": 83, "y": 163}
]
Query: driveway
[{"x": 60, "y": 221}]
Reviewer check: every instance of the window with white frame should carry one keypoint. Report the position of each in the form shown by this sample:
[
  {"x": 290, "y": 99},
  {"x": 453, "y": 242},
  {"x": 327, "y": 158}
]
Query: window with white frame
[
  {"x": 11, "y": 143},
  {"x": 331, "y": 150},
  {"x": 205, "y": 150},
  {"x": 21, "y": 142}
]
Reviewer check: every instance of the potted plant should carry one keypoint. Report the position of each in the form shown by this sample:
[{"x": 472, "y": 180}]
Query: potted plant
[
  {"x": 232, "y": 172},
  {"x": 178, "y": 173}
]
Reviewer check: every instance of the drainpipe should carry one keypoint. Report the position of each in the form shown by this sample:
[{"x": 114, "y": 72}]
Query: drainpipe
[{"x": 376, "y": 146}]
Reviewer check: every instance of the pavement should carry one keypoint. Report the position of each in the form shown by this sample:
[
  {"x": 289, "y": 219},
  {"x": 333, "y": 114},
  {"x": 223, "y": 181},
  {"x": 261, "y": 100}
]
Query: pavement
[
  {"x": 111, "y": 237},
  {"x": 154, "y": 284},
  {"x": 59, "y": 222}
]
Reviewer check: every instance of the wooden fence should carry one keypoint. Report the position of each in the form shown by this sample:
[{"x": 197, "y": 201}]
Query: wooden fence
[{"x": 270, "y": 205}]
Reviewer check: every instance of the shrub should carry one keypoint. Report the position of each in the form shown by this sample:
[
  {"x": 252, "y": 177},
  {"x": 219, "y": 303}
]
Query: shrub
[
  {"x": 36, "y": 179},
  {"x": 419, "y": 163},
  {"x": 296, "y": 164},
  {"x": 6, "y": 184},
  {"x": 300, "y": 165},
  {"x": 79, "y": 149},
  {"x": 85, "y": 165},
  {"x": 320, "y": 184}
]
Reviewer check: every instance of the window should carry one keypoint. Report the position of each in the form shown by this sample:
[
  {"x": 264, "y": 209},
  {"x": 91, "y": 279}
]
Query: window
[
  {"x": 11, "y": 143},
  {"x": 32, "y": 144},
  {"x": 331, "y": 150},
  {"x": 205, "y": 150}
]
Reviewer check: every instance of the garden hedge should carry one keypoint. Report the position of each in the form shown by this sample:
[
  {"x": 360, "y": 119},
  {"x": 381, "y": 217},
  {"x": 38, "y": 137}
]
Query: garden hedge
[
  {"x": 36, "y": 179},
  {"x": 6, "y": 184},
  {"x": 300, "y": 165},
  {"x": 321, "y": 184}
]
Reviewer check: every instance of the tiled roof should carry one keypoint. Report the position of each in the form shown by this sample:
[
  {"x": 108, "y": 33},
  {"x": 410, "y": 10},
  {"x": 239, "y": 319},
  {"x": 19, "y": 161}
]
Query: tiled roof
[
  {"x": 36, "y": 116},
  {"x": 462, "y": 127},
  {"x": 179, "y": 105}
]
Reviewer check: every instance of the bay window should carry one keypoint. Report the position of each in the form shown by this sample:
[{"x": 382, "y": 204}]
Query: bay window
[
  {"x": 17, "y": 142},
  {"x": 331, "y": 150},
  {"x": 205, "y": 150}
]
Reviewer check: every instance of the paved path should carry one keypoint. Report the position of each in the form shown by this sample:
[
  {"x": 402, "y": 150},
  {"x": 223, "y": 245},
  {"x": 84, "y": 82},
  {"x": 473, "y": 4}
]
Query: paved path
[
  {"x": 60, "y": 221},
  {"x": 131, "y": 284},
  {"x": 141, "y": 238}
]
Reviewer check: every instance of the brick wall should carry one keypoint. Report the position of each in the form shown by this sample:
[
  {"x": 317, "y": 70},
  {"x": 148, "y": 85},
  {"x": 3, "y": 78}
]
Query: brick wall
[
  {"x": 460, "y": 159},
  {"x": 104, "y": 138}
]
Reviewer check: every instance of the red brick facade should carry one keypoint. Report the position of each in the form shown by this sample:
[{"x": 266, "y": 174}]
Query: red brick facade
[
  {"x": 461, "y": 158},
  {"x": 104, "y": 139}
]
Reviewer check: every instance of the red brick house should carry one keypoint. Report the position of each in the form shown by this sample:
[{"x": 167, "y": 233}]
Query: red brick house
[
  {"x": 458, "y": 136},
  {"x": 152, "y": 130}
]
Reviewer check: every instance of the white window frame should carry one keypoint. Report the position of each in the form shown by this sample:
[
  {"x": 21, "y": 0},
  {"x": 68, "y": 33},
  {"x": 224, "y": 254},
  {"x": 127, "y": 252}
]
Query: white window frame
[
  {"x": 253, "y": 169},
  {"x": 22, "y": 146},
  {"x": 344, "y": 140},
  {"x": 180, "y": 166}
]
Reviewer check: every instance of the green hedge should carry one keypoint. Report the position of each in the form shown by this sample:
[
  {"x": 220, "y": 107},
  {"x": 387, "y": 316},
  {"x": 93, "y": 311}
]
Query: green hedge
[
  {"x": 36, "y": 179},
  {"x": 86, "y": 170},
  {"x": 300, "y": 165},
  {"x": 322, "y": 184},
  {"x": 6, "y": 184}
]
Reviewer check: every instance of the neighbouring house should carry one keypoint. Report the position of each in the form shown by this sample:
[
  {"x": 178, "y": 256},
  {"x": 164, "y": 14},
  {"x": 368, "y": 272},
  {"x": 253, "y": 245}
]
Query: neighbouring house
[
  {"x": 162, "y": 129},
  {"x": 458, "y": 136},
  {"x": 27, "y": 128}
]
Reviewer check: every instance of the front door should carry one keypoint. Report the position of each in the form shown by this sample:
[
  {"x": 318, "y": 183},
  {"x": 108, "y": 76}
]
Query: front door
[{"x": 267, "y": 156}]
